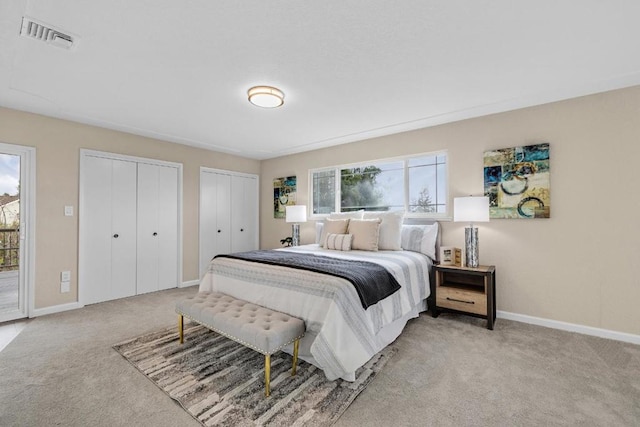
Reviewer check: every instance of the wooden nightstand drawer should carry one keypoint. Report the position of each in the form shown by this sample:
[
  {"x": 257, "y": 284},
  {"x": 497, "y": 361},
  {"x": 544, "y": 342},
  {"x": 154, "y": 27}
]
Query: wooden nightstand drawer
[
  {"x": 462, "y": 300},
  {"x": 470, "y": 290}
]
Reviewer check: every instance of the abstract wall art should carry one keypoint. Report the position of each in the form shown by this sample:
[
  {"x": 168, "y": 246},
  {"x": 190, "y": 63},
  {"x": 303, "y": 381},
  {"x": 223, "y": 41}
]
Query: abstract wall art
[
  {"x": 516, "y": 180},
  {"x": 284, "y": 194}
]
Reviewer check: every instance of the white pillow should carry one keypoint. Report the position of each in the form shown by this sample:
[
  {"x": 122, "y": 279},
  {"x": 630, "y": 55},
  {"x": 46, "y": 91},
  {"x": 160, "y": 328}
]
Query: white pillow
[
  {"x": 319, "y": 227},
  {"x": 339, "y": 242},
  {"x": 333, "y": 226},
  {"x": 420, "y": 238},
  {"x": 390, "y": 229},
  {"x": 365, "y": 234},
  {"x": 345, "y": 215}
]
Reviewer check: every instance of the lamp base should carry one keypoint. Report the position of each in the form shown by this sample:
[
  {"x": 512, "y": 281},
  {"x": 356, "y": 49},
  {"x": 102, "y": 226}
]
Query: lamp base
[
  {"x": 472, "y": 257},
  {"x": 295, "y": 235}
]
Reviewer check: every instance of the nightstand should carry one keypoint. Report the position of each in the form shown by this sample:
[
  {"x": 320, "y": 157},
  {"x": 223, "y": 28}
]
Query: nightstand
[{"x": 466, "y": 290}]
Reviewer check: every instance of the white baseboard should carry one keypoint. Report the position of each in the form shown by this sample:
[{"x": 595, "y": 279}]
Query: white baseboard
[
  {"x": 74, "y": 305},
  {"x": 189, "y": 283},
  {"x": 571, "y": 327},
  {"x": 55, "y": 309}
]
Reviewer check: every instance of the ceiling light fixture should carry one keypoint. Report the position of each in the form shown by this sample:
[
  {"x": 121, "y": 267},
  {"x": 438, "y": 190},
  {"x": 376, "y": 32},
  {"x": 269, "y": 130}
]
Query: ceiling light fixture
[{"x": 266, "y": 96}]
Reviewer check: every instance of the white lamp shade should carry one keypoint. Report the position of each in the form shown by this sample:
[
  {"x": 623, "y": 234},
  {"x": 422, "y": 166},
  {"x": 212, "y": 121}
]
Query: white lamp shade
[
  {"x": 297, "y": 213},
  {"x": 471, "y": 209}
]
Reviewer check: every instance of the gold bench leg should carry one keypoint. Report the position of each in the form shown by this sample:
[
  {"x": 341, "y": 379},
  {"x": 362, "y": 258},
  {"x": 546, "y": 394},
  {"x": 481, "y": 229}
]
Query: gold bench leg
[
  {"x": 181, "y": 327},
  {"x": 267, "y": 375},
  {"x": 296, "y": 343}
]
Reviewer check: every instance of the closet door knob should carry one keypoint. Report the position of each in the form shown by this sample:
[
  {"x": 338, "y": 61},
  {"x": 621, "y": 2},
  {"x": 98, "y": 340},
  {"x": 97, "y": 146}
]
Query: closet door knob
[
  {"x": 155, "y": 234},
  {"x": 242, "y": 229},
  {"x": 115, "y": 236},
  {"x": 219, "y": 231}
]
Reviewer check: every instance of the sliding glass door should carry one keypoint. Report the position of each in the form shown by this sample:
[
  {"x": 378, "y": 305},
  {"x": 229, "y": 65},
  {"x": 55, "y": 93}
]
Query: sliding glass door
[{"x": 14, "y": 165}]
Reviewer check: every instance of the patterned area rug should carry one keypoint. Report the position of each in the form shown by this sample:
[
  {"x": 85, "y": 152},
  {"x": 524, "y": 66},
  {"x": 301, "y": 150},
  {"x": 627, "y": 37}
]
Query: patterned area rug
[{"x": 221, "y": 383}]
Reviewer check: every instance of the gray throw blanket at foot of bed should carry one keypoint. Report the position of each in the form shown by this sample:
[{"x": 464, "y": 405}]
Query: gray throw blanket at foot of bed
[{"x": 371, "y": 281}]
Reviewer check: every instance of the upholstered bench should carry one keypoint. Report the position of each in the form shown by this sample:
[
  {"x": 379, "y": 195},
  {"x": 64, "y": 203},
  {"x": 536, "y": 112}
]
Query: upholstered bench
[{"x": 261, "y": 329}]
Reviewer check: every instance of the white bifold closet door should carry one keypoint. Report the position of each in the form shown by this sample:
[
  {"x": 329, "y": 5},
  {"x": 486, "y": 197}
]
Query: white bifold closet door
[
  {"x": 110, "y": 228},
  {"x": 157, "y": 249},
  {"x": 228, "y": 214},
  {"x": 129, "y": 226}
]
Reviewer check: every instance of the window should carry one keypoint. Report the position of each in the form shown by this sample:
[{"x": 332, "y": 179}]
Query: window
[
  {"x": 323, "y": 193},
  {"x": 417, "y": 185}
]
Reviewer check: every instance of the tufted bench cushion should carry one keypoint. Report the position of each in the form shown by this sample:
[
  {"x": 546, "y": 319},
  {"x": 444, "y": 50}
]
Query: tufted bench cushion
[{"x": 256, "y": 327}]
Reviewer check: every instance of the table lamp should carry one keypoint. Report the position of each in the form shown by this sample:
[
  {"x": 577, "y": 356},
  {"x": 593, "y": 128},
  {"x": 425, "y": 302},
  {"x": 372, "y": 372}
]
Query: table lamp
[
  {"x": 295, "y": 214},
  {"x": 471, "y": 209}
]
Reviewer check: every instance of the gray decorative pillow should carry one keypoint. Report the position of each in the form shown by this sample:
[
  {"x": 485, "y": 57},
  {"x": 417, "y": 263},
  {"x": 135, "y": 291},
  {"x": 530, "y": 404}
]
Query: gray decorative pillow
[
  {"x": 420, "y": 238},
  {"x": 339, "y": 242}
]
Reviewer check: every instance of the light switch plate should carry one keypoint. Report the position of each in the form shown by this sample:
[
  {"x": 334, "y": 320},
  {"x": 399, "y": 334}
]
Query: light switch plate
[
  {"x": 65, "y": 276},
  {"x": 68, "y": 211},
  {"x": 65, "y": 287}
]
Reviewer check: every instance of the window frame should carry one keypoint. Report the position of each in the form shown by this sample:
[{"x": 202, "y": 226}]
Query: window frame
[{"x": 405, "y": 159}]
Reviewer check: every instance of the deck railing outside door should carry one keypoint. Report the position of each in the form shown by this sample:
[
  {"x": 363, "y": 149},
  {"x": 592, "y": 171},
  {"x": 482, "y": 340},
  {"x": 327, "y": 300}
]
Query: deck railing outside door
[{"x": 9, "y": 249}]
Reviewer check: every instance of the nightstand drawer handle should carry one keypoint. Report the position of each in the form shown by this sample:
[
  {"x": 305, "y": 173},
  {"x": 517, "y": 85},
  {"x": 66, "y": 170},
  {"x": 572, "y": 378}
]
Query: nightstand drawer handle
[{"x": 459, "y": 300}]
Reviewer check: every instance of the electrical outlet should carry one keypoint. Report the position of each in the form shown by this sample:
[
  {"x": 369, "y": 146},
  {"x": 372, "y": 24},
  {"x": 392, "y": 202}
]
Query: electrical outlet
[
  {"x": 65, "y": 287},
  {"x": 65, "y": 276},
  {"x": 68, "y": 211}
]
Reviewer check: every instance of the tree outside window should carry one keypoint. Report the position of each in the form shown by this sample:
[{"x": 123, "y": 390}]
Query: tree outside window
[{"x": 382, "y": 186}]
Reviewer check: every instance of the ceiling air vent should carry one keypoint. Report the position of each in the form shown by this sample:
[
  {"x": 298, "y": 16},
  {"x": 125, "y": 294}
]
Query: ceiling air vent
[{"x": 43, "y": 32}]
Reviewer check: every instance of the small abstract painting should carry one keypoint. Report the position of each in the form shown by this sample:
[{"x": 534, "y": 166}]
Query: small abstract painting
[
  {"x": 284, "y": 194},
  {"x": 516, "y": 180}
]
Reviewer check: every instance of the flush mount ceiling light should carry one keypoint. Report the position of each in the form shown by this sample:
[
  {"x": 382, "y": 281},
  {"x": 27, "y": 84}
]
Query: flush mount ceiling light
[{"x": 266, "y": 96}]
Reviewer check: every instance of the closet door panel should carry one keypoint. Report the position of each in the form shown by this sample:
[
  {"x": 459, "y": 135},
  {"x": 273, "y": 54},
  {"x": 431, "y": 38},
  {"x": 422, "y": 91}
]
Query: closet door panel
[
  {"x": 243, "y": 207},
  {"x": 215, "y": 216},
  {"x": 167, "y": 228},
  {"x": 251, "y": 212},
  {"x": 96, "y": 228},
  {"x": 238, "y": 222},
  {"x": 223, "y": 215},
  {"x": 123, "y": 218},
  {"x": 147, "y": 220},
  {"x": 207, "y": 218}
]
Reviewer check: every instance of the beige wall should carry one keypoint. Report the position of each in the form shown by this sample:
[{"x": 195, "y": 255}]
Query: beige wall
[
  {"x": 58, "y": 145},
  {"x": 580, "y": 266}
]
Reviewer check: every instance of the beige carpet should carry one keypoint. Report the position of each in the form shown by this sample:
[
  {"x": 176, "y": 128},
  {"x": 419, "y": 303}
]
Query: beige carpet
[
  {"x": 449, "y": 371},
  {"x": 221, "y": 383}
]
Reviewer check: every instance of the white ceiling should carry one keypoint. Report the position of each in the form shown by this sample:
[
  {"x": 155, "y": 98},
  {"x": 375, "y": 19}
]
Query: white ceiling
[{"x": 178, "y": 70}]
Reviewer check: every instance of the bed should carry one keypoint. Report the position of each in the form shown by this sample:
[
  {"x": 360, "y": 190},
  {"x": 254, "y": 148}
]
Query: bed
[{"x": 341, "y": 334}]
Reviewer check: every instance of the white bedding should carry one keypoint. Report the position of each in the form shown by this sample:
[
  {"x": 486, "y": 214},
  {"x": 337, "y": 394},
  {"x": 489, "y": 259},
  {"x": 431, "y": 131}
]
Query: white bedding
[{"x": 341, "y": 336}]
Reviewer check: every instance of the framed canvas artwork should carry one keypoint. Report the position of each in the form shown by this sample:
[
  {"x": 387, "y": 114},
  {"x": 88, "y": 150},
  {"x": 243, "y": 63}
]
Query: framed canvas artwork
[
  {"x": 516, "y": 180},
  {"x": 284, "y": 194}
]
